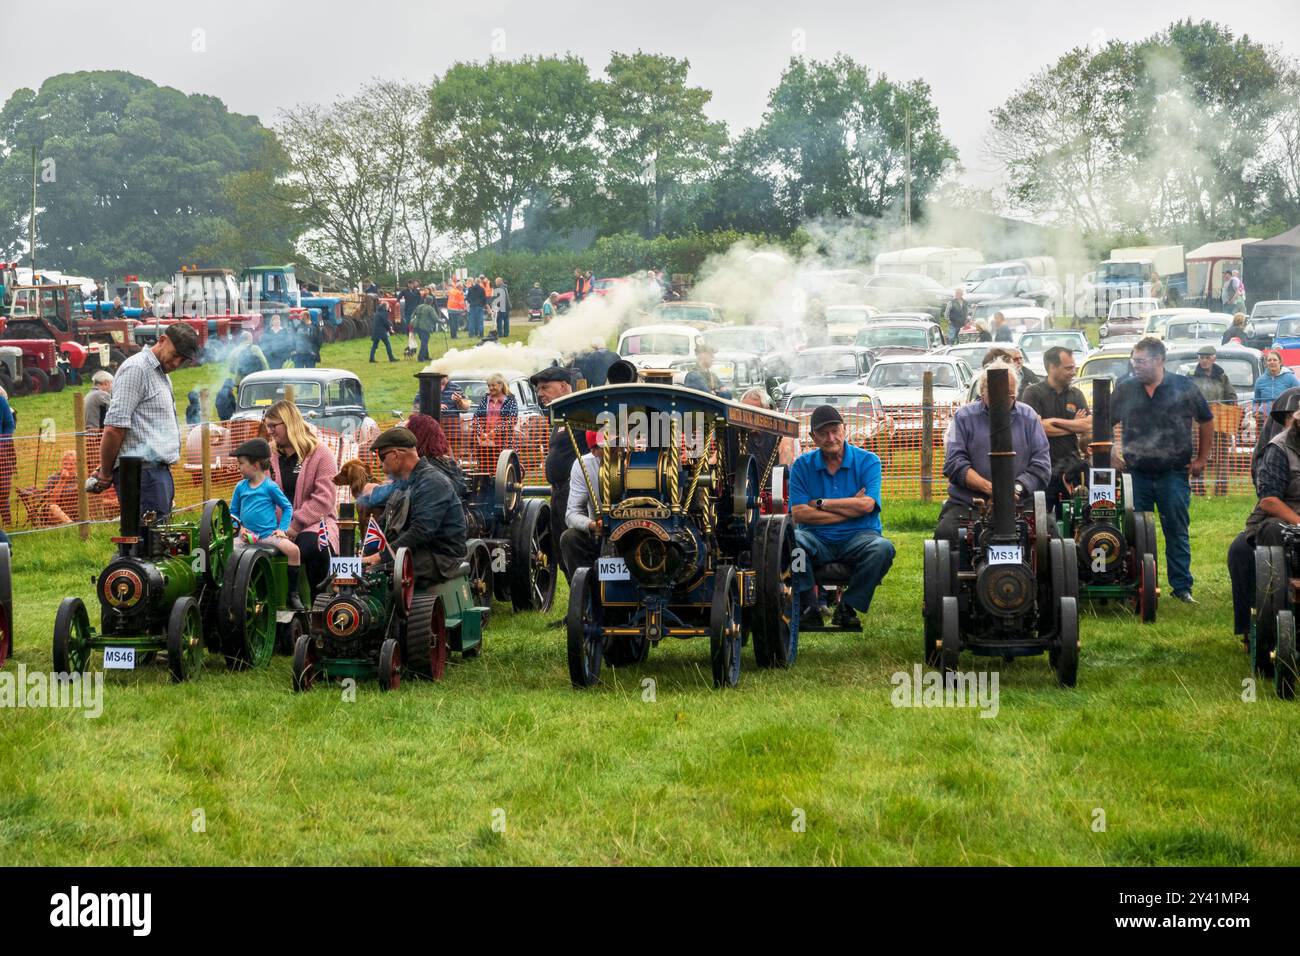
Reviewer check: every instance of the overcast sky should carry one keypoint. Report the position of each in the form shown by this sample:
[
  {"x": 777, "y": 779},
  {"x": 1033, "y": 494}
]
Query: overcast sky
[{"x": 263, "y": 56}]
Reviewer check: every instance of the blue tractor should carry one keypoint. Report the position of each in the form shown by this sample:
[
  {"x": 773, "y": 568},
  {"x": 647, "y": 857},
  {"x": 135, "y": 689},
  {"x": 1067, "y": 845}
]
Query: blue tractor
[{"x": 275, "y": 290}]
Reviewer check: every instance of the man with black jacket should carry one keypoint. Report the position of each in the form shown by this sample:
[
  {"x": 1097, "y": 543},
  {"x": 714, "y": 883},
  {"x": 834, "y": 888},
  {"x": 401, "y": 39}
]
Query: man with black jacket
[
  {"x": 424, "y": 514},
  {"x": 552, "y": 383},
  {"x": 476, "y": 300},
  {"x": 410, "y": 299}
]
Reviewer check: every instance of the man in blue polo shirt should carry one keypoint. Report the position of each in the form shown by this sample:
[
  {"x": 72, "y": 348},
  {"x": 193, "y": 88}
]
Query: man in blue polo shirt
[{"x": 835, "y": 503}]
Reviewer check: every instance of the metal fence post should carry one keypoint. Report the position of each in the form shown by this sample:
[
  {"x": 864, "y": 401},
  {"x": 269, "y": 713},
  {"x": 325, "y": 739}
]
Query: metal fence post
[{"x": 927, "y": 434}]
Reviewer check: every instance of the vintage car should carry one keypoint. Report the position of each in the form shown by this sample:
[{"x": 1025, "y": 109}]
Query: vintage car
[
  {"x": 1156, "y": 320},
  {"x": 1034, "y": 344},
  {"x": 1264, "y": 316},
  {"x": 658, "y": 346},
  {"x": 1196, "y": 328},
  {"x": 865, "y": 421},
  {"x": 910, "y": 333},
  {"x": 972, "y": 353},
  {"x": 899, "y": 381},
  {"x": 1127, "y": 316},
  {"x": 827, "y": 364},
  {"x": 1037, "y": 290},
  {"x": 330, "y": 398},
  {"x": 701, "y": 315},
  {"x": 774, "y": 345}
]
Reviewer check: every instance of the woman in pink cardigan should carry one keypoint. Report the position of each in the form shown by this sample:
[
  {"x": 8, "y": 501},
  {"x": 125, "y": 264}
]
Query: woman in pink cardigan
[{"x": 304, "y": 468}]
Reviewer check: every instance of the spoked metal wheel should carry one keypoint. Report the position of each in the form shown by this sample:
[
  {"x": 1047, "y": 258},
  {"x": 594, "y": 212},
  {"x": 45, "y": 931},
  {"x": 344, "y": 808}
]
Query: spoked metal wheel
[
  {"x": 745, "y": 493},
  {"x": 480, "y": 572},
  {"x": 71, "y": 637},
  {"x": 1064, "y": 658},
  {"x": 426, "y": 641},
  {"x": 950, "y": 635},
  {"x": 248, "y": 610},
  {"x": 306, "y": 664},
  {"x": 390, "y": 665},
  {"x": 724, "y": 629},
  {"x": 586, "y": 640},
  {"x": 216, "y": 537},
  {"x": 1286, "y": 662},
  {"x": 509, "y": 486},
  {"x": 533, "y": 558},
  {"x": 185, "y": 640},
  {"x": 776, "y": 628},
  {"x": 402, "y": 584}
]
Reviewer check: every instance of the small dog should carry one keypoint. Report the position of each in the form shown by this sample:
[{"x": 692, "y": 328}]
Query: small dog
[
  {"x": 354, "y": 477},
  {"x": 412, "y": 346}
]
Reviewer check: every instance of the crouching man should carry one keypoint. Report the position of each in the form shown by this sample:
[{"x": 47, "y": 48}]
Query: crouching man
[
  {"x": 423, "y": 513},
  {"x": 835, "y": 503},
  {"x": 967, "y": 463},
  {"x": 578, "y": 545},
  {"x": 1277, "y": 481}
]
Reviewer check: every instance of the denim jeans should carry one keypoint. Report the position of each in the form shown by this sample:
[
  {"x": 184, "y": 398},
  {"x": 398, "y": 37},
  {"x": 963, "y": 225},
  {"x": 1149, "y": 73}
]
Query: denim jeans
[
  {"x": 868, "y": 553},
  {"x": 424, "y": 346},
  {"x": 475, "y": 329},
  {"x": 1169, "y": 493},
  {"x": 503, "y": 324},
  {"x": 156, "y": 490}
]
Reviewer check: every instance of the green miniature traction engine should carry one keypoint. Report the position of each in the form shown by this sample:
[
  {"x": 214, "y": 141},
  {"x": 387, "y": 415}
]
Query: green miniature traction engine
[
  {"x": 180, "y": 587},
  {"x": 1115, "y": 544},
  {"x": 369, "y": 622}
]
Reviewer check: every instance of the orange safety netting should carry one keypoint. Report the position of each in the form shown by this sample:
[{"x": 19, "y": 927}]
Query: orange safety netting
[{"x": 39, "y": 474}]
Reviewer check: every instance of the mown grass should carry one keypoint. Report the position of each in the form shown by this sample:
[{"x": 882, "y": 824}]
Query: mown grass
[{"x": 1156, "y": 735}]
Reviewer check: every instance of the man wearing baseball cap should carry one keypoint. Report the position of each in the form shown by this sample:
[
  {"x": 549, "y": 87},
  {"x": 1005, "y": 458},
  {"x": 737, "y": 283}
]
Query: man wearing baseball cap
[
  {"x": 141, "y": 419},
  {"x": 1213, "y": 383},
  {"x": 1277, "y": 482},
  {"x": 835, "y": 503}
]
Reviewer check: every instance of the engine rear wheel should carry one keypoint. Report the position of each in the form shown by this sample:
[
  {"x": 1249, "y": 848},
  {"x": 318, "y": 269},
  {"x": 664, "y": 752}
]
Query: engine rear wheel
[
  {"x": 390, "y": 665},
  {"x": 774, "y": 587},
  {"x": 533, "y": 558},
  {"x": 249, "y": 611},
  {"x": 1286, "y": 663},
  {"x": 950, "y": 624},
  {"x": 1147, "y": 597},
  {"x": 1065, "y": 657},
  {"x": 1270, "y": 598},
  {"x": 586, "y": 641},
  {"x": 426, "y": 643}
]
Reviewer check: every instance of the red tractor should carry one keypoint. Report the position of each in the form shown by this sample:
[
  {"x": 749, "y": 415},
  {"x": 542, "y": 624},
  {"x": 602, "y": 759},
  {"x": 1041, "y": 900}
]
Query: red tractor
[
  {"x": 33, "y": 366},
  {"x": 58, "y": 312}
]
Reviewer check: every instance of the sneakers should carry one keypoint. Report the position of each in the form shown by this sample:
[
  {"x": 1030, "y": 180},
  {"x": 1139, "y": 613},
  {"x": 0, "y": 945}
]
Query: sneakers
[{"x": 1186, "y": 597}]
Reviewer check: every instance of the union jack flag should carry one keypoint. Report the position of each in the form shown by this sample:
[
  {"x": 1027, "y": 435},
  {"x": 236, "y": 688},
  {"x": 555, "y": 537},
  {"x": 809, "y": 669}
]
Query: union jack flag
[
  {"x": 323, "y": 536},
  {"x": 374, "y": 541}
]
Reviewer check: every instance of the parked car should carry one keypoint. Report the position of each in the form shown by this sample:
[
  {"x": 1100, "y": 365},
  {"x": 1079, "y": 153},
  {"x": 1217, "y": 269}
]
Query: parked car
[
  {"x": 658, "y": 346},
  {"x": 910, "y": 333},
  {"x": 1127, "y": 316},
  {"x": 865, "y": 421},
  {"x": 1035, "y": 344},
  {"x": 1157, "y": 320},
  {"x": 844, "y": 321},
  {"x": 701, "y": 315},
  {"x": 1264, "y": 316},
  {"x": 993, "y": 270},
  {"x": 1040, "y": 291},
  {"x": 329, "y": 398},
  {"x": 972, "y": 353},
  {"x": 827, "y": 364},
  {"x": 986, "y": 310},
  {"x": 907, "y": 291},
  {"x": 1112, "y": 362},
  {"x": 774, "y": 345},
  {"x": 1286, "y": 339},
  {"x": 899, "y": 380},
  {"x": 1196, "y": 328}
]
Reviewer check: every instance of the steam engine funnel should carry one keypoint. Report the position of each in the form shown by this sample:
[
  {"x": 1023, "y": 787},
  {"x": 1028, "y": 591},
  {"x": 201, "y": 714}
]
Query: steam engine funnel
[
  {"x": 621, "y": 372},
  {"x": 129, "y": 495},
  {"x": 430, "y": 399},
  {"x": 1001, "y": 456},
  {"x": 1102, "y": 438},
  {"x": 347, "y": 530}
]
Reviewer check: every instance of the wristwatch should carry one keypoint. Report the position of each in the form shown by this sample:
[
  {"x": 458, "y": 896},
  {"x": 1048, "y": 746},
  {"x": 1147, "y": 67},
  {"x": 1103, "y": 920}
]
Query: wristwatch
[
  {"x": 1020, "y": 490},
  {"x": 818, "y": 503}
]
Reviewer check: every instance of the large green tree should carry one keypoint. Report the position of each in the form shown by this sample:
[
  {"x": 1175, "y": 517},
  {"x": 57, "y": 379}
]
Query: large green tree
[
  {"x": 834, "y": 140},
  {"x": 133, "y": 175},
  {"x": 506, "y": 134},
  {"x": 655, "y": 136}
]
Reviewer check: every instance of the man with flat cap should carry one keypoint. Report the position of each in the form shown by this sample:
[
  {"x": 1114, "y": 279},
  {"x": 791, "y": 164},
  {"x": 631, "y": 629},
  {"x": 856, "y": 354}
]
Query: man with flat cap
[
  {"x": 423, "y": 513},
  {"x": 835, "y": 503},
  {"x": 1212, "y": 381},
  {"x": 551, "y": 383},
  {"x": 1277, "y": 482},
  {"x": 141, "y": 419}
]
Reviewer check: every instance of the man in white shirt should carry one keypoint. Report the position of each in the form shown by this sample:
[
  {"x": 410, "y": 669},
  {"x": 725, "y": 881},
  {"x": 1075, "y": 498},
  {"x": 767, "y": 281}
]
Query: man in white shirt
[{"x": 579, "y": 547}]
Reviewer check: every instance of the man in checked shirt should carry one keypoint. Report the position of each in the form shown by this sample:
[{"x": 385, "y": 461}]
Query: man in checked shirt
[{"x": 141, "y": 419}]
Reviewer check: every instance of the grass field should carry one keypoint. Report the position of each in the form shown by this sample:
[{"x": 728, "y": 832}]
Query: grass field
[
  {"x": 1156, "y": 735},
  {"x": 503, "y": 763}
]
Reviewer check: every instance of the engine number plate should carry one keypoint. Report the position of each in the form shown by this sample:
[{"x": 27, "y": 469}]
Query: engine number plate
[{"x": 1005, "y": 554}]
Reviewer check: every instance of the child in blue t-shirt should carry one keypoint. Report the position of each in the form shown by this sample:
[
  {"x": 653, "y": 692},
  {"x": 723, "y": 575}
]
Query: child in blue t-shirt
[{"x": 262, "y": 511}]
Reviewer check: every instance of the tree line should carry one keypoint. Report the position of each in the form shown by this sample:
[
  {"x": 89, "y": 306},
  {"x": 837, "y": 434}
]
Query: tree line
[{"x": 1191, "y": 134}]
